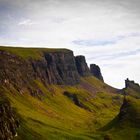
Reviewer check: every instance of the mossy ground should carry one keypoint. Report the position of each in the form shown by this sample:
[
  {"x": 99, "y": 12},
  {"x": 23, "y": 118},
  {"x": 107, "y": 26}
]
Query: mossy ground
[
  {"x": 128, "y": 126},
  {"x": 34, "y": 53},
  {"x": 55, "y": 116}
]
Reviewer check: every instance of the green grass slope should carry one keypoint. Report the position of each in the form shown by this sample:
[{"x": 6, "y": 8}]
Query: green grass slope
[
  {"x": 126, "y": 125},
  {"x": 133, "y": 92},
  {"x": 35, "y": 53},
  {"x": 56, "y": 116}
]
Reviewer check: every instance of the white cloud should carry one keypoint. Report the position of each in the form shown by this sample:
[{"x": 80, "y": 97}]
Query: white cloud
[{"x": 26, "y": 22}]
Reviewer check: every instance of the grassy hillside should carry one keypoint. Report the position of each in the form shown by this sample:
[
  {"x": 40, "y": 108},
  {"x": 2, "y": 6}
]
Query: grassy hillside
[
  {"x": 126, "y": 125},
  {"x": 133, "y": 93},
  {"x": 89, "y": 110},
  {"x": 35, "y": 53},
  {"x": 56, "y": 116}
]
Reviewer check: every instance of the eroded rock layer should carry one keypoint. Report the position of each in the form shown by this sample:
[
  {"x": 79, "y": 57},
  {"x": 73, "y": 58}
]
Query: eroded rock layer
[{"x": 95, "y": 70}]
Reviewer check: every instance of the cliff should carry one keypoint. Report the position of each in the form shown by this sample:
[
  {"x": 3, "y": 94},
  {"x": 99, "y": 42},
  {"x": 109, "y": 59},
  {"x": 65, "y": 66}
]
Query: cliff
[
  {"x": 82, "y": 66},
  {"x": 131, "y": 88},
  {"x": 95, "y": 70},
  {"x": 131, "y": 84},
  {"x": 52, "y": 67},
  {"x": 61, "y": 68}
]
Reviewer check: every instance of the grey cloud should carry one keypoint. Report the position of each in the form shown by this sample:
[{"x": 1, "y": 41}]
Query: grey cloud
[
  {"x": 114, "y": 55},
  {"x": 104, "y": 42}
]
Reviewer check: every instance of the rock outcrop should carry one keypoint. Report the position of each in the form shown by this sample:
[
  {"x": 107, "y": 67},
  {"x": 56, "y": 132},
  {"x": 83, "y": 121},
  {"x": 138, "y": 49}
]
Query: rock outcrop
[
  {"x": 131, "y": 84},
  {"x": 95, "y": 70},
  {"x": 82, "y": 66},
  {"x": 61, "y": 68},
  {"x": 58, "y": 67},
  {"x": 8, "y": 121},
  {"x": 129, "y": 111},
  {"x": 53, "y": 68},
  {"x": 73, "y": 98}
]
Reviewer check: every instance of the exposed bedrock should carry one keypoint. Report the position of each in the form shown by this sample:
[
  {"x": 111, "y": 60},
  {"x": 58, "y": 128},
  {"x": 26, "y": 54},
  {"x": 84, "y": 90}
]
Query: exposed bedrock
[
  {"x": 53, "y": 68},
  {"x": 82, "y": 66},
  {"x": 95, "y": 71}
]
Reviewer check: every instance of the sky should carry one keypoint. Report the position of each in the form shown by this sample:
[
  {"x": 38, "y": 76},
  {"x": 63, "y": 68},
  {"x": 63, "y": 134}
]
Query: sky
[{"x": 106, "y": 32}]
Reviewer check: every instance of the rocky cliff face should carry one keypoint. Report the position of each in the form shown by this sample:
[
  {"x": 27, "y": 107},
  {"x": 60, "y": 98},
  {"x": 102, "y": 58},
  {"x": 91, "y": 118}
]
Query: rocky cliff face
[
  {"x": 82, "y": 66},
  {"x": 61, "y": 68},
  {"x": 8, "y": 121},
  {"x": 95, "y": 70},
  {"x": 53, "y": 68},
  {"x": 131, "y": 88},
  {"x": 131, "y": 84}
]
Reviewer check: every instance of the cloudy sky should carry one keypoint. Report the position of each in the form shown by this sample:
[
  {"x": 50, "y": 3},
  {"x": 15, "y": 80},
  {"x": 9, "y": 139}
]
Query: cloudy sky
[{"x": 107, "y": 32}]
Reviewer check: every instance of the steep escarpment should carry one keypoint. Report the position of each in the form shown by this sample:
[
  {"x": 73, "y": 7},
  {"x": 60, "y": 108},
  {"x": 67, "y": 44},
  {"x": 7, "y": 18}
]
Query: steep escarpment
[
  {"x": 82, "y": 66},
  {"x": 52, "y": 68},
  {"x": 95, "y": 70},
  {"x": 61, "y": 68},
  {"x": 8, "y": 120}
]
